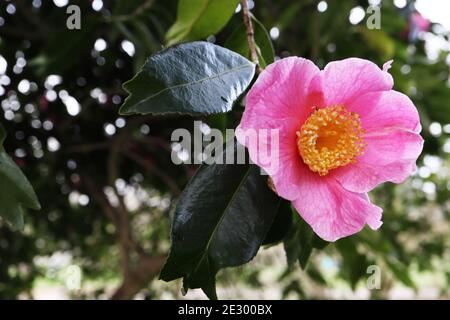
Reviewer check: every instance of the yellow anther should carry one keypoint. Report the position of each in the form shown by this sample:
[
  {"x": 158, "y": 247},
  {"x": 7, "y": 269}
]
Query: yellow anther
[{"x": 330, "y": 138}]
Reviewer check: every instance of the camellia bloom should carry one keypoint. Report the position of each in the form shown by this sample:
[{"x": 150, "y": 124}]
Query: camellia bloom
[{"x": 342, "y": 131}]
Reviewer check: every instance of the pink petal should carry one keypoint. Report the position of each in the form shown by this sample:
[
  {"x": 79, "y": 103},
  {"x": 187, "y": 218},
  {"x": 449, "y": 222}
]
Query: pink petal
[
  {"x": 348, "y": 79},
  {"x": 282, "y": 92},
  {"x": 280, "y": 100},
  {"x": 283, "y": 165},
  {"x": 386, "y": 110},
  {"x": 288, "y": 178},
  {"x": 392, "y": 124},
  {"x": 332, "y": 211},
  {"x": 387, "y": 65},
  {"x": 389, "y": 156}
]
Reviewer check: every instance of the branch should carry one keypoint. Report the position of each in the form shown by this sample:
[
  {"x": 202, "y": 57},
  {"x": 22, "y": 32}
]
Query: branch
[
  {"x": 147, "y": 269},
  {"x": 250, "y": 34},
  {"x": 135, "y": 278},
  {"x": 124, "y": 231},
  {"x": 137, "y": 267}
]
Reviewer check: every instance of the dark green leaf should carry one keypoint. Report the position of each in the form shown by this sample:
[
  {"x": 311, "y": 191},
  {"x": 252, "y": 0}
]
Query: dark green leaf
[
  {"x": 198, "y": 19},
  {"x": 294, "y": 286},
  {"x": 306, "y": 236},
  {"x": 281, "y": 224},
  {"x": 221, "y": 220},
  {"x": 191, "y": 78},
  {"x": 238, "y": 43},
  {"x": 316, "y": 276},
  {"x": 16, "y": 192},
  {"x": 264, "y": 43},
  {"x": 319, "y": 243},
  {"x": 300, "y": 242},
  {"x": 292, "y": 247}
]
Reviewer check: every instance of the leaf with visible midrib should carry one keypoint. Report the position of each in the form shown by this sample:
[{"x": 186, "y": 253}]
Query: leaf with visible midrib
[
  {"x": 198, "y": 19},
  {"x": 221, "y": 220},
  {"x": 191, "y": 78},
  {"x": 15, "y": 190}
]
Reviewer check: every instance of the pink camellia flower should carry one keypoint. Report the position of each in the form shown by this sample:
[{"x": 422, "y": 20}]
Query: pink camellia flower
[{"x": 342, "y": 131}]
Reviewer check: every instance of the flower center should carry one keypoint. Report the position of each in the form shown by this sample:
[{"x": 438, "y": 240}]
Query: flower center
[{"x": 330, "y": 138}]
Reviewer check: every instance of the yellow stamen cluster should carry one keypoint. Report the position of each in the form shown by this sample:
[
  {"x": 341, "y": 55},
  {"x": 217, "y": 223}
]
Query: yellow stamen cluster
[{"x": 330, "y": 138}]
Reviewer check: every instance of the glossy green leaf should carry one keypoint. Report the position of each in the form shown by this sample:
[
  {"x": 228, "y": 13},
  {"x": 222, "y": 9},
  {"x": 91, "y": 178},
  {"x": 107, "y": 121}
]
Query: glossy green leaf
[
  {"x": 221, "y": 220},
  {"x": 238, "y": 42},
  {"x": 190, "y": 78},
  {"x": 16, "y": 192},
  {"x": 198, "y": 19}
]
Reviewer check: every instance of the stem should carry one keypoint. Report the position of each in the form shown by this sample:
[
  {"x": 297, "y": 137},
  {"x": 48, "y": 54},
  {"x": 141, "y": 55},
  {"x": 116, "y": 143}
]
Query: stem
[{"x": 250, "y": 35}]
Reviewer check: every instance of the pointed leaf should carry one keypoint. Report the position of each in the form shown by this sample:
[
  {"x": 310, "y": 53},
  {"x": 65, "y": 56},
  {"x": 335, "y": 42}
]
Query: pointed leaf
[
  {"x": 191, "y": 78},
  {"x": 221, "y": 221},
  {"x": 198, "y": 19},
  {"x": 16, "y": 192},
  {"x": 300, "y": 242}
]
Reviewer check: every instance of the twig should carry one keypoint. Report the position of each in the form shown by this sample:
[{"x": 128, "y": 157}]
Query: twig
[{"x": 250, "y": 34}]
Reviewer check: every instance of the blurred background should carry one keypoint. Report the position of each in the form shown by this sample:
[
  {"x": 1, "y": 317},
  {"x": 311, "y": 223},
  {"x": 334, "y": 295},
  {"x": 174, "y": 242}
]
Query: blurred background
[{"x": 107, "y": 184}]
